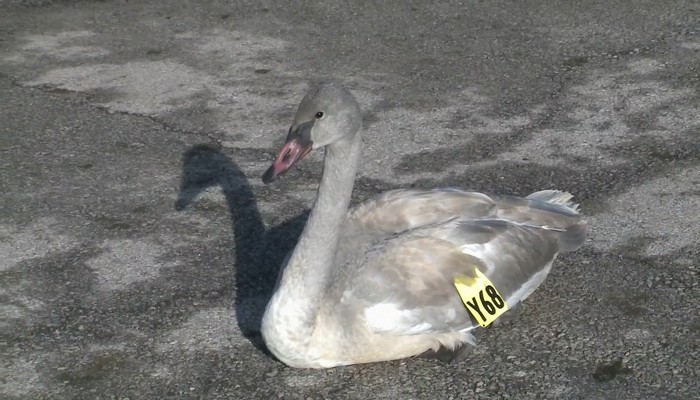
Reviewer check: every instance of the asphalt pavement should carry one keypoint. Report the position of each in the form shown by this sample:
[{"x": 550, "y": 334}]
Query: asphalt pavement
[{"x": 138, "y": 245}]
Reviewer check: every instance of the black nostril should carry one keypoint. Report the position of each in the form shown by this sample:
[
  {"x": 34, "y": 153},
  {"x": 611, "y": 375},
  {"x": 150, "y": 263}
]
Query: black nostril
[{"x": 285, "y": 157}]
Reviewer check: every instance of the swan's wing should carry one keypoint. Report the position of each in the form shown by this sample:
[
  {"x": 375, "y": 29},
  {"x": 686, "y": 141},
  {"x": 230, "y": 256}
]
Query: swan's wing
[
  {"x": 406, "y": 285},
  {"x": 400, "y": 211},
  {"x": 404, "y": 209}
]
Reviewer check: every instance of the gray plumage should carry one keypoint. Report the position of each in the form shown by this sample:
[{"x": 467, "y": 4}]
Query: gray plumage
[{"x": 377, "y": 282}]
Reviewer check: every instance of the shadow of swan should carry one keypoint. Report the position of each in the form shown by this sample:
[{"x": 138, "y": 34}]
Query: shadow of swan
[{"x": 258, "y": 252}]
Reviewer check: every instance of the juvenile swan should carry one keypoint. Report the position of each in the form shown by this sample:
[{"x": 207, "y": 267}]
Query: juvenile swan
[{"x": 380, "y": 281}]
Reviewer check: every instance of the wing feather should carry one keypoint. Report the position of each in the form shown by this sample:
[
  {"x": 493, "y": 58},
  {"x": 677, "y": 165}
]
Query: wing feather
[
  {"x": 406, "y": 285},
  {"x": 416, "y": 242}
]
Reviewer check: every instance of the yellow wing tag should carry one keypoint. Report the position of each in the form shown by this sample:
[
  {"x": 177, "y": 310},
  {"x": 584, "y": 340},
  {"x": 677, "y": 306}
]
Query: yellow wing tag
[{"x": 481, "y": 298}]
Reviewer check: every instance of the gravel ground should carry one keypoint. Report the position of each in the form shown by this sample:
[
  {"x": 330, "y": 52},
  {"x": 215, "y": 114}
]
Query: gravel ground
[{"x": 138, "y": 245}]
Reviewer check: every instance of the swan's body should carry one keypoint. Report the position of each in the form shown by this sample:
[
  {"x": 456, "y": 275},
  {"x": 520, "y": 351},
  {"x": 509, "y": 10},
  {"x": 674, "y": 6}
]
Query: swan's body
[{"x": 376, "y": 283}]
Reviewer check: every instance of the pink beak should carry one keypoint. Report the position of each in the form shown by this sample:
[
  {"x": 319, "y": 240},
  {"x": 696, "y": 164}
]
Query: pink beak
[{"x": 288, "y": 156}]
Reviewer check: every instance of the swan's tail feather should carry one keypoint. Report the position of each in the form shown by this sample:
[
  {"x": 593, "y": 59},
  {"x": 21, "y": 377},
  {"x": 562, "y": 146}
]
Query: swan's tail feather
[
  {"x": 555, "y": 197},
  {"x": 575, "y": 234}
]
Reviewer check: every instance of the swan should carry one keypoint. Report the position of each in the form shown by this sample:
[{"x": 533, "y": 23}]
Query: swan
[{"x": 408, "y": 272}]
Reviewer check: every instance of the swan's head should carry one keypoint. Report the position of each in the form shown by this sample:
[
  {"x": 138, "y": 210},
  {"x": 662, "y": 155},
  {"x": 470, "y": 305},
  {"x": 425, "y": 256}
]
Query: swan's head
[{"x": 327, "y": 114}]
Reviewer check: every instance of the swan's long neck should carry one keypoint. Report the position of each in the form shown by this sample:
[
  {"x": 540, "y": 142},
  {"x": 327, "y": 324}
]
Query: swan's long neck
[{"x": 290, "y": 317}]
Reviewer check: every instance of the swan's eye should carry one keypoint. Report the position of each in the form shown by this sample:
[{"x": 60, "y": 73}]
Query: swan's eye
[{"x": 319, "y": 115}]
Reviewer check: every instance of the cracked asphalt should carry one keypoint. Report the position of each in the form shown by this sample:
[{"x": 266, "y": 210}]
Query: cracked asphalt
[{"x": 138, "y": 246}]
